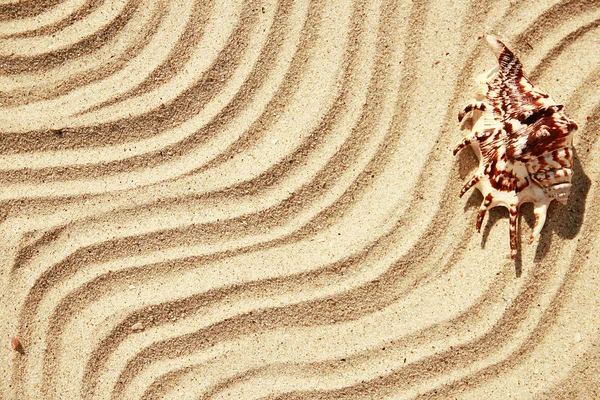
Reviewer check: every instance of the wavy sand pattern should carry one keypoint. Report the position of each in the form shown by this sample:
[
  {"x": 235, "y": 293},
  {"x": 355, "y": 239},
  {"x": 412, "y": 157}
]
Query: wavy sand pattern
[{"x": 234, "y": 200}]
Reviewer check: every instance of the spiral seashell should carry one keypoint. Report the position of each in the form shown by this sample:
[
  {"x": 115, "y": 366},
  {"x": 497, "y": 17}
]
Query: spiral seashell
[{"x": 524, "y": 142}]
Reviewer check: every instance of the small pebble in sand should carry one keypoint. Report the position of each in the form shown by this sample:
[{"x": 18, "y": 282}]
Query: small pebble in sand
[
  {"x": 16, "y": 344},
  {"x": 138, "y": 326}
]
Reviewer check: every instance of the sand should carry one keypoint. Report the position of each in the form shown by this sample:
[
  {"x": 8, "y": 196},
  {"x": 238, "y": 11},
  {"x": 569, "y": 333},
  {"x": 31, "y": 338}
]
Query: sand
[{"x": 238, "y": 200}]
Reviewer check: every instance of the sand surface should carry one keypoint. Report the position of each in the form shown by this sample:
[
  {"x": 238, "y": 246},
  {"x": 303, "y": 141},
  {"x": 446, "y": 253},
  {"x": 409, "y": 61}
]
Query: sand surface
[{"x": 229, "y": 199}]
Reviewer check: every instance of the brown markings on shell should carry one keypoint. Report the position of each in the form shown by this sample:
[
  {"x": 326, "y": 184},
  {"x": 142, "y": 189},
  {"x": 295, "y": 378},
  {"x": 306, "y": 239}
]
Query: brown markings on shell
[{"x": 530, "y": 132}]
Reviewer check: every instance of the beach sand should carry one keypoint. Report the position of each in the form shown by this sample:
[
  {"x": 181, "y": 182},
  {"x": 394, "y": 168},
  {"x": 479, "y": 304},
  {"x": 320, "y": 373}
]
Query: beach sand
[{"x": 239, "y": 200}]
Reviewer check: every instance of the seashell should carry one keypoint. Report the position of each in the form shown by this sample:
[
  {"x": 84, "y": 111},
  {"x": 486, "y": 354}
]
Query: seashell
[{"x": 524, "y": 142}]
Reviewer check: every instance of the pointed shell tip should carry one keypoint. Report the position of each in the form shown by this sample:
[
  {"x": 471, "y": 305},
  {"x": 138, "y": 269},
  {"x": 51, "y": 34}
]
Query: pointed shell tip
[{"x": 496, "y": 45}]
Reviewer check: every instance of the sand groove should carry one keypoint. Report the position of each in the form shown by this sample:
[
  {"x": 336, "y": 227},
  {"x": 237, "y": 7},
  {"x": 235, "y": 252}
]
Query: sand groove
[{"x": 231, "y": 199}]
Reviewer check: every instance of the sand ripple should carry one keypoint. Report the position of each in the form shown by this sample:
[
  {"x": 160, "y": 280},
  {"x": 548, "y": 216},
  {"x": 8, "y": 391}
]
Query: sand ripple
[{"x": 230, "y": 199}]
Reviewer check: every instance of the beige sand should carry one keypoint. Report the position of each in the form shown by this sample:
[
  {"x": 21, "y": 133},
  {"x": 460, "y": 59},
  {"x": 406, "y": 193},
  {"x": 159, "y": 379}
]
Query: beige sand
[{"x": 238, "y": 200}]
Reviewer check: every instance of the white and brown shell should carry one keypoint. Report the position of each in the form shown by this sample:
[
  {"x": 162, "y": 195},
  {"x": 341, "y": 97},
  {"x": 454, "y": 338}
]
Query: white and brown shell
[{"x": 524, "y": 142}]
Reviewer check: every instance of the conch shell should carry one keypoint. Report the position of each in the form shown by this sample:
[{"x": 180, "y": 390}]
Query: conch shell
[{"x": 524, "y": 142}]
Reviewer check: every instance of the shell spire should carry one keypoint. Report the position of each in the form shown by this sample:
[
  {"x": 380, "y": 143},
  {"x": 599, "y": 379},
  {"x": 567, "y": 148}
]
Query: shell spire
[{"x": 524, "y": 142}]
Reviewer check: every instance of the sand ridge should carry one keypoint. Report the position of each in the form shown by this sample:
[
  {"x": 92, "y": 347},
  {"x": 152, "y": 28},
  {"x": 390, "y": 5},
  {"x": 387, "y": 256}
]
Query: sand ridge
[{"x": 230, "y": 199}]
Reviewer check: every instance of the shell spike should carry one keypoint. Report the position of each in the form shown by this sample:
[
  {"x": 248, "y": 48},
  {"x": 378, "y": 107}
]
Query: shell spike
[
  {"x": 513, "y": 212},
  {"x": 482, "y": 211},
  {"x": 469, "y": 185},
  {"x": 480, "y": 217},
  {"x": 539, "y": 211},
  {"x": 496, "y": 45},
  {"x": 463, "y": 143},
  {"x": 509, "y": 65}
]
